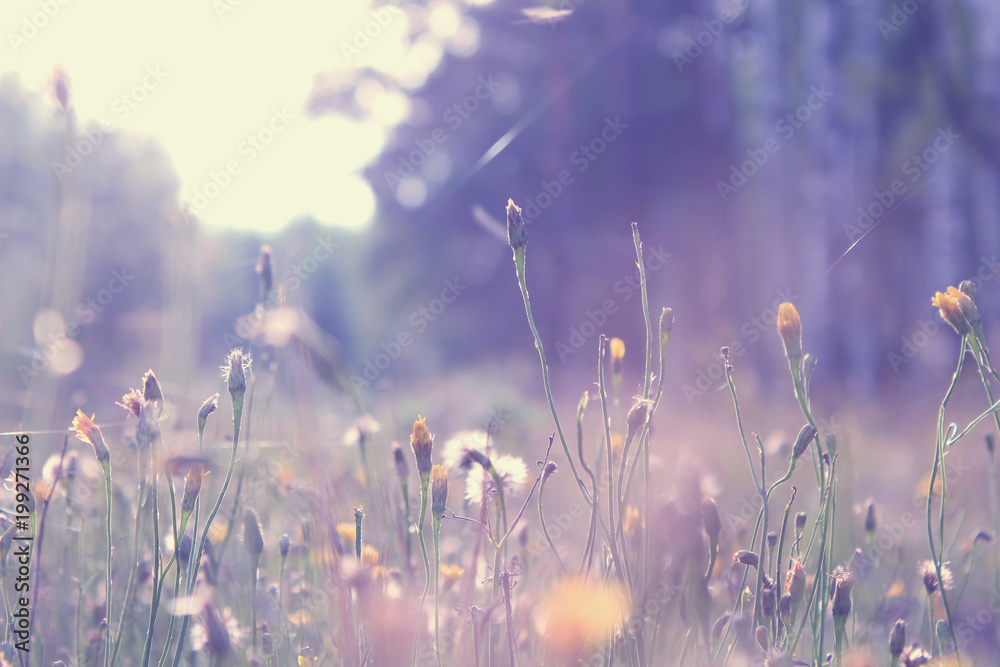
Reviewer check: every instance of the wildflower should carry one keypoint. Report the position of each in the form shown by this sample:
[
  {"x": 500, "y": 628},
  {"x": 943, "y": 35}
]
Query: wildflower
[
  {"x": 790, "y": 330},
  {"x": 234, "y": 372},
  {"x": 454, "y": 448},
  {"x": 422, "y": 442},
  {"x": 88, "y": 431},
  {"x": 744, "y": 557},
  {"x": 265, "y": 271},
  {"x": 132, "y": 401},
  {"x": 451, "y": 573},
  {"x": 252, "y": 539},
  {"x": 345, "y": 531},
  {"x": 840, "y": 591},
  {"x": 516, "y": 234},
  {"x": 956, "y": 308},
  {"x": 871, "y": 520},
  {"x": 439, "y": 491},
  {"x": 795, "y": 581},
  {"x": 402, "y": 470},
  {"x": 362, "y": 431},
  {"x": 666, "y": 327},
  {"x": 577, "y": 614},
  {"x": 805, "y": 436},
  {"x": 929, "y": 574},
  {"x": 369, "y": 555},
  {"x": 207, "y": 408},
  {"x": 192, "y": 487},
  {"x": 637, "y": 417},
  {"x": 511, "y": 471}
]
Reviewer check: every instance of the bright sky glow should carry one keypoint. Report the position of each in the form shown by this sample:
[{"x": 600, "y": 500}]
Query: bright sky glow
[{"x": 222, "y": 84}]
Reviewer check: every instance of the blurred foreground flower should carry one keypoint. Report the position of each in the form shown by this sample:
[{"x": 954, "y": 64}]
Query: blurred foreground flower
[
  {"x": 579, "y": 614},
  {"x": 510, "y": 469}
]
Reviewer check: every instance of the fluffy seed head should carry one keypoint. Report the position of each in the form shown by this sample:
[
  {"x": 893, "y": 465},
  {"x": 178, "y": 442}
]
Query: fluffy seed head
[{"x": 422, "y": 442}]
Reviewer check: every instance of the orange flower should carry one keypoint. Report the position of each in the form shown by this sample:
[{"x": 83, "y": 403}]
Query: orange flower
[
  {"x": 87, "y": 431},
  {"x": 790, "y": 330},
  {"x": 956, "y": 308}
]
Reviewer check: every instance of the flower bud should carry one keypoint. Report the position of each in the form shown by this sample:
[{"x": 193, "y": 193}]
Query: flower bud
[
  {"x": 284, "y": 545},
  {"x": 207, "y": 408},
  {"x": 897, "y": 639},
  {"x": 402, "y": 470},
  {"x": 806, "y": 435},
  {"x": 422, "y": 442},
  {"x": 745, "y": 557},
  {"x": 516, "y": 234},
  {"x": 192, "y": 487},
  {"x": 439, "y": 491},
  {"x": 790, "y": 330},
  {"x": 252, "y": 539}
]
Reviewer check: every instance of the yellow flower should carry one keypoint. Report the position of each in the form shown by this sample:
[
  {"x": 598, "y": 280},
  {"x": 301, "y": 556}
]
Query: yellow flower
[
  {"x": 87, "y": 431},
  {"x": 451, "y": 573},
  {"x": 790, "y": 330},
  {"x": 422, "y": 441},
  {"x": 955, "y": 307},
  {"x": 369, "y": 555},
  {"x": 578, "y": 614},
  {"x": 346, "y": 532},
  {"x": 617, "y": 348}
]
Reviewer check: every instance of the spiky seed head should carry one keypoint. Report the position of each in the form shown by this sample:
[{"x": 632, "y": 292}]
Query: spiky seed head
[
  {"x": 952, "y": 311},
  {"x": 151, "y": 388},
  {"x": 439, "y": 491},
  {"x": 790, "y": 330},
  {"x": 517, "y": 236},
  {"x": 284, "y": 545},
  {"x": 207, "y": 408},
  {"x": 88, "y": 431},
  {"x": 252, "y": 539},
  {"x": 710, "y": 518},
  {"x": 806, "y": 435},
  {"x": 402, "y": 470},
  {"x": 637, "y": 417},
  {"x": 235, "y": 370},
  {"x": 843, "y": 583},
  {"x": 422, "y": 442},
  {"x": 192, "y": 487},
  {"x": 897, "y": 638},
  {"x": 795, "y": 581}
]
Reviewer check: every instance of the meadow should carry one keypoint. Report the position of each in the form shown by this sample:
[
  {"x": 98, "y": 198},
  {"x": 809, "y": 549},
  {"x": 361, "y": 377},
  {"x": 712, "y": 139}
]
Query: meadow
[{"x": 552, "y": 533}]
